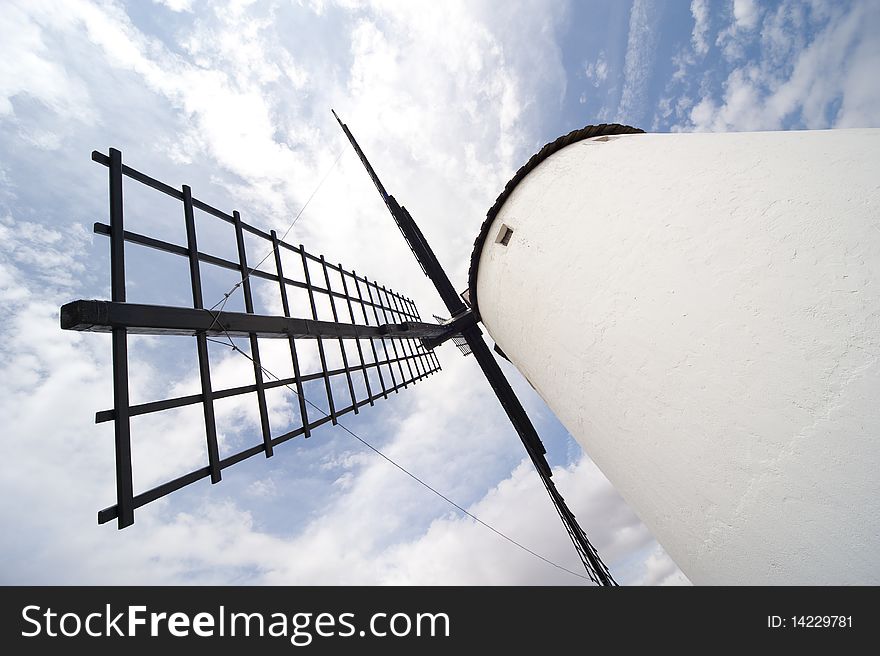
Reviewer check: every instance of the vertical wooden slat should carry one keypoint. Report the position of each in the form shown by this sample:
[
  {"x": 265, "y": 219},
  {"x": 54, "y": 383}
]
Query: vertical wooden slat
[
  {"x": 424, "y": 354},
  {"x": 301, "y": 395},
  {"x": 201, "y": 338},
  {"x": 407, "y": 342},
  {"x": 345, "y": 366},
  {"x": 384, "y": 320},
  {"x": 311, "y": 292},
  {"x": 386, "y": 305},
  {"x": 122, "y": 425},
  {"x": 255, "y": 347},
  {"x": 357, "y": 341},
  {"x": 372, "y": 341}
]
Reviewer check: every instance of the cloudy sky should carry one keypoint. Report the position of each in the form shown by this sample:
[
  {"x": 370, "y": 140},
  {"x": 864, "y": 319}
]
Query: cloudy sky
[{"x": 233, "y": 98}]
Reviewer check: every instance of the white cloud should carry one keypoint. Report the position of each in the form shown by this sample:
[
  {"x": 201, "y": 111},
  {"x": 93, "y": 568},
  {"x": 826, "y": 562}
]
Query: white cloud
[
  {"x": 597, "y": 71},
  {"x": 27, "y": 70},
  {"x": 699, "y": 35},
  {"x": 746, "y": 13},
  {"x": 482, "y": 557},
  {"x": 639, "y": 61},
  {"x": 263, "y": 488},
  {"x": 741, "y": 109},
  {"x": 660, "y": 570},
  {"x": 815, "y": 70},
  {"x": 176, "y": 5},
  {"x": 859, "y": 92}
]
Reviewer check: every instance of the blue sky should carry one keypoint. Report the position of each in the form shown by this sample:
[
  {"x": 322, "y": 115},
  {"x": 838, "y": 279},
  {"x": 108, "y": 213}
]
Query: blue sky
[{"x": 448, "y": 100}]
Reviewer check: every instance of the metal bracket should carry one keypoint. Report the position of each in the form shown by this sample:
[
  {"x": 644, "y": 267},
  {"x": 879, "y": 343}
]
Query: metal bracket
[{"x": 451, "y": 328}]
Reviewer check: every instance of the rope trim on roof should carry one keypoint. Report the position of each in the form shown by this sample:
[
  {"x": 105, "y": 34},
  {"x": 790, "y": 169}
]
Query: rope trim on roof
[{"x": 545, "y": 152}]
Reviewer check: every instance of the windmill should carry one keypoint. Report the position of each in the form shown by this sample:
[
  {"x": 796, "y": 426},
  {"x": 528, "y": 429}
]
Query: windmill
[
  {"x": 384, "y": 344},
  {"x": 700, "y": 311}
]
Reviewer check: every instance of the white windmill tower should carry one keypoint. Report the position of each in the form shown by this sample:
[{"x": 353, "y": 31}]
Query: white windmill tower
[{"x": 702, "y": 312}]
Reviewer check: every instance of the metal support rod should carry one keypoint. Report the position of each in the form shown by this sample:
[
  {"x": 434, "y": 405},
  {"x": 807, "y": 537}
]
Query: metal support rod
[{"x": 451, "y": 328}]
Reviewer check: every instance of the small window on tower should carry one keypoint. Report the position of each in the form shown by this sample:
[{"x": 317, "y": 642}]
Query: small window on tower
[{"x": 504, "y": 235}]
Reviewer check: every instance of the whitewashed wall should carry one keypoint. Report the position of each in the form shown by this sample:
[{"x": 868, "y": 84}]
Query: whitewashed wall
[{"x": 702, "y": 312}]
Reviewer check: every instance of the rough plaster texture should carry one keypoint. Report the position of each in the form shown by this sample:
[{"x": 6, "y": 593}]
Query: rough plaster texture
[{"x": 702, "y": 312}]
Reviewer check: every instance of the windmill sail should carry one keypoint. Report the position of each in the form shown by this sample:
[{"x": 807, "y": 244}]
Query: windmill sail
[
  {"x": 467, "y": 336},
  {"x": 378, "y": 331}
]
